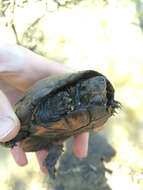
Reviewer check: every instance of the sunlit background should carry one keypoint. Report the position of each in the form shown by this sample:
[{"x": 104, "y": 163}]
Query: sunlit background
[{"x": 104, "y": 35}]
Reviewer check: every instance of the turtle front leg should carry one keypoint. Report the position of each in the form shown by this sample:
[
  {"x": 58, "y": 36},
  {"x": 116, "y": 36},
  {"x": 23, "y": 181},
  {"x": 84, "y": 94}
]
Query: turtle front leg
[{"x": 51, "y": 160}]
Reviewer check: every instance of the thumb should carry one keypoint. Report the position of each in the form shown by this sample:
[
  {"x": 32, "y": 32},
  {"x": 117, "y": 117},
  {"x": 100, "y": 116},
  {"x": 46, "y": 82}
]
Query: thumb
[{"x": 9, "y": 123}]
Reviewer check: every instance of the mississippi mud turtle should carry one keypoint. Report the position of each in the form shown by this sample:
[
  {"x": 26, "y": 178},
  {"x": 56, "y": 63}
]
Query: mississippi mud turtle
[{"x": 60, "y": 106}]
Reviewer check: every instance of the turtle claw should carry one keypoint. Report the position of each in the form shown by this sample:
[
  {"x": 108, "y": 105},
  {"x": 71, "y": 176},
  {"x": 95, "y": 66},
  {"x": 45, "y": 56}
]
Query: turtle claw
[{"x": 51, "y": 160}]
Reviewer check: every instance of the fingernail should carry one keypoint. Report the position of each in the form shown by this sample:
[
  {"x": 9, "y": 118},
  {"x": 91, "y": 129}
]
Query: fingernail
[{"x": 7, "y": 125}]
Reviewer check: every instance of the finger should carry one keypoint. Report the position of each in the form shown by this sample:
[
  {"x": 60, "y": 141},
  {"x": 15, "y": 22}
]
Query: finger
[
  {"x": 11, "y": 93},
  {"x": 80, "y": 145},
  {"x": 41, "y": 155},
  {"x": 9, "y": 123},
  {"x": 19, "y": 156},
  {"x": 22, "y": 67}
]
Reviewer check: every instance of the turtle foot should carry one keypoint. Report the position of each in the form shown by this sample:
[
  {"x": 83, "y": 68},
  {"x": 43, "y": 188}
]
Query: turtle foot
[{"x": 52, "y": 158}]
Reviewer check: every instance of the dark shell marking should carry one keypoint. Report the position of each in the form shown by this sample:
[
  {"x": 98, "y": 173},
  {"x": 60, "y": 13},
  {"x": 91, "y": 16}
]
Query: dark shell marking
[{"x": 58, "y": 107}]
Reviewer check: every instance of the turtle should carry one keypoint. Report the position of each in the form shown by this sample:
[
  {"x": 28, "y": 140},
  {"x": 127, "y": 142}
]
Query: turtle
[{"x": 60, "y": 106}]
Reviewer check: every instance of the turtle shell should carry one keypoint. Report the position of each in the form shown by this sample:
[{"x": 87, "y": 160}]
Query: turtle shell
[
  {"x": 44, "y": 87},
  {"x": 49, "y": 115}
]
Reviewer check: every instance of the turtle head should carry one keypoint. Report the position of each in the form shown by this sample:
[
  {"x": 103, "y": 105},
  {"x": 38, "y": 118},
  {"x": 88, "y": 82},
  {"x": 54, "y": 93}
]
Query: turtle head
[{"x": 93, "y": 90}]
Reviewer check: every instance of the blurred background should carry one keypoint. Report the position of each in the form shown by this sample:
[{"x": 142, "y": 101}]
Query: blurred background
[{"x": 104, "y": 35}]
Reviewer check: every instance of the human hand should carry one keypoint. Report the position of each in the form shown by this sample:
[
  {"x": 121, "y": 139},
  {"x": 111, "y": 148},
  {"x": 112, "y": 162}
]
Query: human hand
[{"x": 19, "y": 69}]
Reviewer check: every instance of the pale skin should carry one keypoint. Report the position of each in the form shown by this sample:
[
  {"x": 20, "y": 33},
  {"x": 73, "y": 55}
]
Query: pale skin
[{"x": 19, "y": 69}]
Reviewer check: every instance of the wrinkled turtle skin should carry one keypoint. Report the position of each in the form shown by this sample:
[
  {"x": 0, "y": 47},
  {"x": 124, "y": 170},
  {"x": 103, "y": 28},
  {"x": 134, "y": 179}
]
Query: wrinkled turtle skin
[{"x": 60, "y": 106}]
